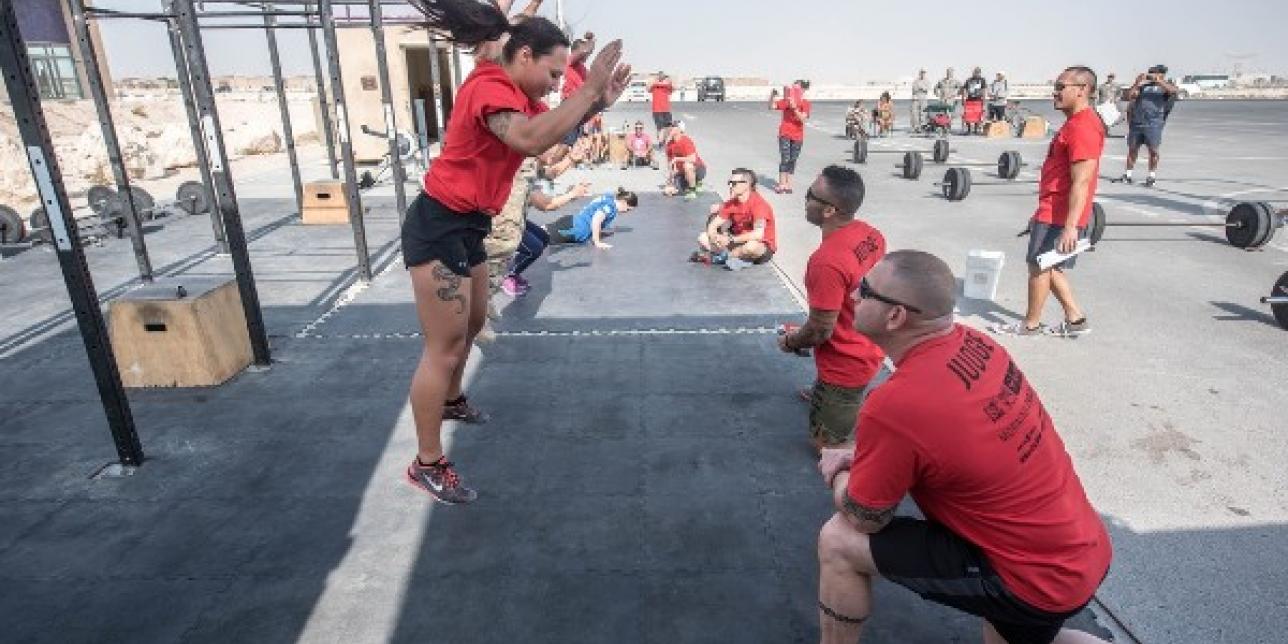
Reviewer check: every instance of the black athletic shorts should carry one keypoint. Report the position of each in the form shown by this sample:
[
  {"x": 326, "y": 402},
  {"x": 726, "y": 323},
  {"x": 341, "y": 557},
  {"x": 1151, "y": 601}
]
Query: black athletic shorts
[
  {"x": 930, "y": 560},
  {"x": 553, "y": 228},
  {"x": 433, "y": 232},
  {"x": 661, "y": 119},
  {"x": 1043, "y": 238}
]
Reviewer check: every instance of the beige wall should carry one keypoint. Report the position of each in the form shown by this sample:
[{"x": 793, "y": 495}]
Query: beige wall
[{"x": 362, "y": 84}]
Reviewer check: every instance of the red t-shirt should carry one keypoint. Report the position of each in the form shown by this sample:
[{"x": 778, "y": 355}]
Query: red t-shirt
[
  {"x": 684, "y": 147},
  {"x": 1081, "y": 138},
  {"x": 960, "y": 429},
  {"x": 574, "y": 78},
  {"x": 743, "y": 217},
  {"x": 792, "y": 127},
  {"x": 661, "y": 92},
  {"x": 475, "y": 171},
  {"x": 848, "y": 358}
]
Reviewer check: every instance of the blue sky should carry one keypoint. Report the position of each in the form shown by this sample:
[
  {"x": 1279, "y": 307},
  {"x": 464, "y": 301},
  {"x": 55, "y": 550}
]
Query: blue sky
[{"x": 838, "y": 40}]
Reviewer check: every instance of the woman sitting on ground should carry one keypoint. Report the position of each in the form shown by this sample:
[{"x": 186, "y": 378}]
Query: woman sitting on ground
[{"x": 592, "y": 221}]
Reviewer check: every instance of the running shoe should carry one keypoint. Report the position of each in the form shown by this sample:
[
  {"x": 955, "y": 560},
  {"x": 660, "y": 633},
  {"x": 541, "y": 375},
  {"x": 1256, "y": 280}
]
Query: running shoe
[
  {"x": 1125, "y": 178},
  {"x": 441, "y": 481},
  {"x": 523, "y": 283},
  {"x": 1150, "y": 181},
  {"x": 1018, "y": 328},
  {"x": 1067, "y": 329},
  {"x": 690, "y": 195},
  {"x": 512, "y": 286},
  {"x": 461, "y": 409}
]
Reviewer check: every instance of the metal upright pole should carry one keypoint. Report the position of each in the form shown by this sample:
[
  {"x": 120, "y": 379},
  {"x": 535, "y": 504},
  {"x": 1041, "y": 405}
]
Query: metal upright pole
[
  {"x": 225, "y": 194},
  {"x": 25, "y": 98},
  {"x": 436, "y": 78},
  {"x": 456, "y": 67},
  {"x": 324, "y": 106},
  {"x": 198, "y": 139},
  {"x": 287, "y": 133},
  {"x": 346, "y": 146},
  {"x": 387, "y": 96},
  {"x": 95, "y": 78}
]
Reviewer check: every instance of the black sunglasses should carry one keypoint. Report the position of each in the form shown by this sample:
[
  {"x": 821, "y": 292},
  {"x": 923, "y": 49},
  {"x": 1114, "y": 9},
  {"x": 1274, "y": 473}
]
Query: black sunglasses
[
  {"x": 734, "y": 182},
  {"x": 866, "y": 293},
  {"x": 1059, "y": 87},
  {"x": 810, "y": 196}
]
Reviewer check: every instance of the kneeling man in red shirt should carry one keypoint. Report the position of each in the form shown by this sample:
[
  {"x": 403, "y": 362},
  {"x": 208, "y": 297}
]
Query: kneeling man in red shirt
[{"x": 1009, "y": 534}]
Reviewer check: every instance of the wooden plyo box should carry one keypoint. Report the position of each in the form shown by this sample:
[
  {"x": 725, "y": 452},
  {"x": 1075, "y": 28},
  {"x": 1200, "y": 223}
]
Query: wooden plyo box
[
  {"x": 164, "y": 339},
  {"x": 617, "y": 152},
  {"x": 325, "y": 202},
  {"x": 1035, "y": 127},
  {"x": 997, "y": 129}
]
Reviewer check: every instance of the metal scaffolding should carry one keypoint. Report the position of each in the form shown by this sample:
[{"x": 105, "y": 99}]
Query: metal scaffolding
[{"x": 184, "y": 22}]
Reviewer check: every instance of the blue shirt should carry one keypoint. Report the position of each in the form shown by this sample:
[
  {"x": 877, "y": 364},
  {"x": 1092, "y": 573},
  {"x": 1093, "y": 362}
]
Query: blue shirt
[
  {"x": 1150, "y": 109},
  {"x": 582, "y": 228}
]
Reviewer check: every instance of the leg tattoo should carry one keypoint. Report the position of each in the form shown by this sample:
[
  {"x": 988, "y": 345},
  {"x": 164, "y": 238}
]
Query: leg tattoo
[
  {"x": 839, "y": 617},
  {"x": 451, "y": 290}
]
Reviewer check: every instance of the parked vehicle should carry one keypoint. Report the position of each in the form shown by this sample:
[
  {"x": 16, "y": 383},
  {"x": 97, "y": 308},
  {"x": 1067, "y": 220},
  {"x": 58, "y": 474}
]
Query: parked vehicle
[{"x": 711, "y": 88}]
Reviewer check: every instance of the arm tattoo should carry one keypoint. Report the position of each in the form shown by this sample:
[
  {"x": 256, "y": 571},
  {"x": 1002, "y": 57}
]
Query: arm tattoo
[
  {"x": 499, "y": 123},
  {"x": 598, "y": 106},
  {"x": 450, "y": 292},
  {"x": 844, "y": 619},
  {"x": 877, "y": 516}
]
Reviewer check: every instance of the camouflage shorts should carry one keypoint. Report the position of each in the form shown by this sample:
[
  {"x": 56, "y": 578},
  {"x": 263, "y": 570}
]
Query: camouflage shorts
[{"x": 507, "y": 227}]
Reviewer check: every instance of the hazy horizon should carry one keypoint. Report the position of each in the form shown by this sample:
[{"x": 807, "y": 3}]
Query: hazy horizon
[{"x": 757, "y": 38}]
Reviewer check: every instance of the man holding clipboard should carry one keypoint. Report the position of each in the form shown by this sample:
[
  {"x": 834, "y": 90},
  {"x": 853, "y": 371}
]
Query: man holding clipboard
[{"x": 1066, "y": 190}]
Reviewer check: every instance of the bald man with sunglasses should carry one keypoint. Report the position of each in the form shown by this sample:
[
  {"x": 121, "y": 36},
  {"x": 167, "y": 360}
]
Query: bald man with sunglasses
[{"x": 1008, "y": 534}]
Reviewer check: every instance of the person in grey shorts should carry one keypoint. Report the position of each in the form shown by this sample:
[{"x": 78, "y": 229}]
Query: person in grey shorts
[
  {"x": 920, "y": 90},
  {"x": 998, "y": 92}
]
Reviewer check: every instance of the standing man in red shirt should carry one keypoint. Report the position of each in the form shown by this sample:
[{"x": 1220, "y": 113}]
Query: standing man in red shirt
[
  {"x": 846, "y": 361},
  {"x": 740, "y": 231},
  {"x": 1009, "y": 534},
  {"x": 661, "y": 89},
  {"x": 498, "y": 121},
  {"x": 791, "y": 132},
  {"x": 1066, "y": 191}
]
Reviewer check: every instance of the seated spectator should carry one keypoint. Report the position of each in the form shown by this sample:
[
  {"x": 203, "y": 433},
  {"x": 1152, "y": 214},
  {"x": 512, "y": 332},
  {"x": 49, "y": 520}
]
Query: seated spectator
[
  {"x": 741, "y": 231},
  {"x": 685, "y": 169},
  {"x": 857, "y": 119},
  {"x": 591, "y": 223},
  {"x": 639, "y": 147}
]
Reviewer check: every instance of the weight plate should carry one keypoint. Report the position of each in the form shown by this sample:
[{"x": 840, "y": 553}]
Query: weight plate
[
  {"x": 956, "y": 184},
  {"x": 1008, "y": 165},
  {"x": 191, "y": 197},
  {"x": 1097, "y": 227},
  {"x": 96, "y": 196},
  {"x": 144, "y": 204},
  {"x": 12, "y": 228},
  {"x": 38, "y": 224},
  {"x": 941, "y": 151},
  {"x": 912, "y": 164},
  {"x": 1244, "y": 225},
  {"x": 1280, "y": 310},
  {"x": 861, "y": 150},
  {"x": 1272, "y": 223},
  {"x": 113, "y": 213}
]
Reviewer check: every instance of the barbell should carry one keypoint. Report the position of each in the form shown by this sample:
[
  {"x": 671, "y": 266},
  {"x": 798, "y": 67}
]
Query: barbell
[
  {"x": 1248, "y": 225},
  {"x": 109, "y": 209},
  {"x": 1278, "y": 300},
  {"x": 939, "y": 152},
  {"x": 957, "y": 181},
  {"x": 1008, "y": 166}
]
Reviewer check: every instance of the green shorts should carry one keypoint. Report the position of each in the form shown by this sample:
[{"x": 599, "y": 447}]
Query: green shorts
[{"x": 834, "y": 410}]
